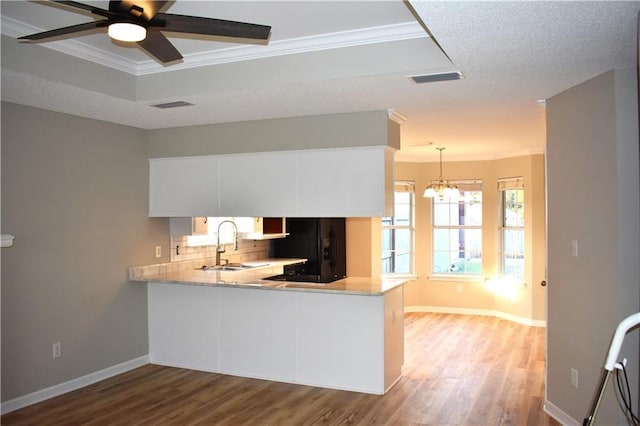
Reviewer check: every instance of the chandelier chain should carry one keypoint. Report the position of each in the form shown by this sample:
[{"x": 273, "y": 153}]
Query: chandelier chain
[{"x": 441, "y": 188}]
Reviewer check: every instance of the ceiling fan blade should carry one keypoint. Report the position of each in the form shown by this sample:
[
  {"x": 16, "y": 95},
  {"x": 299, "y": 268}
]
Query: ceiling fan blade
[
  {"x": 137, "y": 8},
  {"x": 209, "y": 26},
  {"x": 65, "y": 30},
  {"x": 157, "y": 45},
  {"x": 92, "y": 9}
]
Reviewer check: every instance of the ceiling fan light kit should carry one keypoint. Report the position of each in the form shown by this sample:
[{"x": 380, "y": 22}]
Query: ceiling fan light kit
[
  {"x": 440, "y": 188},
  {"x": 141, "y": 22},
  {"x": 126, "y": 31}
]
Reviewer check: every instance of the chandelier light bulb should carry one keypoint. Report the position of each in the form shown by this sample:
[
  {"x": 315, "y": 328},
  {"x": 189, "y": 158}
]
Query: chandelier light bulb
[
  {"x": 430, "y": 192},
  {"x": 455, "y": 194}
]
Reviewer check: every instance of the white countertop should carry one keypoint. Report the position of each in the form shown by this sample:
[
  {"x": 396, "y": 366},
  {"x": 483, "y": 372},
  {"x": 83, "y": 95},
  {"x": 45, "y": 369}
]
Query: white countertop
[{"x": 254, "y": 278}]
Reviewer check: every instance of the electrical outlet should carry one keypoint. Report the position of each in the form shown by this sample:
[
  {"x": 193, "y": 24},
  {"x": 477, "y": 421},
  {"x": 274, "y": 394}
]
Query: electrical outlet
[
  {"x": 459, "y": 288},
  {"x": 57, "y": 350},
  {"x": 574, "y": 377},
  {"x": 158, "y": 251}
]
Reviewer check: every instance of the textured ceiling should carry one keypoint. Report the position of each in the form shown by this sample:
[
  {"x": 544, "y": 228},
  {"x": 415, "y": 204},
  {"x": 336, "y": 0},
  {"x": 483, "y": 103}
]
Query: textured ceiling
[
  {"x": 332, "y": 57},
  {"x": 512, "y": 55}
]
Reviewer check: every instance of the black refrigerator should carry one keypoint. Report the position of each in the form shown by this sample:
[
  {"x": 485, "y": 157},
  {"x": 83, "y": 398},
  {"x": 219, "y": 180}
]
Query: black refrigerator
[{"x": 319, "y": 240}]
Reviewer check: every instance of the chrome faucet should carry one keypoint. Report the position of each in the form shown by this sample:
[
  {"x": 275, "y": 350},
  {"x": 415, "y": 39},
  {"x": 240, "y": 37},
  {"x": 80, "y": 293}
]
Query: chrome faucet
[{"x": 219, "y": 249}]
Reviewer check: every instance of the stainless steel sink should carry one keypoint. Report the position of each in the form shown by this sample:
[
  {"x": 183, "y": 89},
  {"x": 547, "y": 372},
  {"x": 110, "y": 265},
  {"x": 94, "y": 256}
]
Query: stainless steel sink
[{"x": 228, "y": 267}]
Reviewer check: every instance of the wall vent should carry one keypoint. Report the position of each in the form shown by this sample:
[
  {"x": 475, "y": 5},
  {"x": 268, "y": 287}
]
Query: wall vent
[
  {"x": 431, "y": 78},
  {"x": 174, "y": 104}
]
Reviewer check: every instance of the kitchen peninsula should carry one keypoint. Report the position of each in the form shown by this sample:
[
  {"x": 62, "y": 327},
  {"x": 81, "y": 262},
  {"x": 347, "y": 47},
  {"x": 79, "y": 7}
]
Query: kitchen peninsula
[{"x": 344, "y": 335}]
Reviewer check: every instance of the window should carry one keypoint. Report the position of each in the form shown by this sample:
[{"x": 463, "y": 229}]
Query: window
[
  {"x": 457, "y": 231},
  {"x": 512, "y": 227},
  {"x": 398, "y": 232}
]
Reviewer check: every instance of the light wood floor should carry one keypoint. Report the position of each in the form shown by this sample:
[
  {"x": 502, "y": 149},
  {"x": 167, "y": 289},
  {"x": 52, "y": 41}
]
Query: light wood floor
[{"x": 459, "y": 370}]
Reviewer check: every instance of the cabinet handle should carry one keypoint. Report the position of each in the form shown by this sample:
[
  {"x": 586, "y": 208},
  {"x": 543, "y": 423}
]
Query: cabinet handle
[{"x": 543, "y": 283}]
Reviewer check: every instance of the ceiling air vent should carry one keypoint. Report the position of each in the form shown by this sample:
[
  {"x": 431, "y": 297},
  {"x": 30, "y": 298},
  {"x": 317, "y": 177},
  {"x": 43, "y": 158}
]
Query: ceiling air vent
[
  {"x": 174, "y": 104},
  {"x": 431, "y": 78}
]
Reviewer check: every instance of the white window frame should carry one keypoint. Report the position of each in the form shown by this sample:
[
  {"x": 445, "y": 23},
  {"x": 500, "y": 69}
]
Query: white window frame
[
  {"x": 405, "y": 186},
  {"x": 505, "y": 184},
  {"x": 463, "y": 185}
]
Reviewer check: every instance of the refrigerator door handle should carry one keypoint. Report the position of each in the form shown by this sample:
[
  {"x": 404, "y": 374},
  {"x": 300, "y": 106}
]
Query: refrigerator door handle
[{"x": 334, "y": 249}]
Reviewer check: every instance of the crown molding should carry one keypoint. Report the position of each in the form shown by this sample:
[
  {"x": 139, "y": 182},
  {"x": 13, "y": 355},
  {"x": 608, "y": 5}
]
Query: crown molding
[
  {"x": 396, "y": 117},
  {"x": 14, "y": 28},
  {"x": 359, "y": 37}
]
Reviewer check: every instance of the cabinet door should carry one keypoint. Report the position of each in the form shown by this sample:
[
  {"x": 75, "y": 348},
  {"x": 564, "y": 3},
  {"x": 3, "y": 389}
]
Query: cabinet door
[
  {"x": 184, "y": 186},
  {"x": 340, "y": 341},
  {"x": 257, "y": 331},
  {"x": 200, "y": 225},
  {"x": 393, "y": 335},
  {"x": 189, "y": 225},
  {"x": 260, "y": 184},
  {"x": 344, "y": 182}
]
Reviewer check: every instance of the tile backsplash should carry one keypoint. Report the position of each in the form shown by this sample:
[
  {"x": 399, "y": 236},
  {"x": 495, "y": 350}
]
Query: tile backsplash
[
  {"x": 184, "y": 257},
  {"x": 248, "y": 250}
]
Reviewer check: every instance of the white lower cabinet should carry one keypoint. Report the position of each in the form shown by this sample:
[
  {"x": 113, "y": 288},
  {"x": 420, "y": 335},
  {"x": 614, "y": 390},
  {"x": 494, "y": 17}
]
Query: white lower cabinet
[
  {"x": 393, "y": 335},
  {"x": 180, "y": 337},
  {"x": 257, "y": 332},
  {"x": 340, "y": 341}
]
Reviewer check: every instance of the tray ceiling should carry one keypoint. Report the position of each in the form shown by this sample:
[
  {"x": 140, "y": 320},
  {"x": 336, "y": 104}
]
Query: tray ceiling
[{"x": 332, "y": 57}]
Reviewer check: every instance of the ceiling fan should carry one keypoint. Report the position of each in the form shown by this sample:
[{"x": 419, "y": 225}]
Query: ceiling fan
[{"x": 139, "y": 21}]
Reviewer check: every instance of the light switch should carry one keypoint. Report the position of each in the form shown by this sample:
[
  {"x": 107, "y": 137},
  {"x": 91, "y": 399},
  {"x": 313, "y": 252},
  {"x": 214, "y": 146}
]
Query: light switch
[{"x": 574, "y": 248}]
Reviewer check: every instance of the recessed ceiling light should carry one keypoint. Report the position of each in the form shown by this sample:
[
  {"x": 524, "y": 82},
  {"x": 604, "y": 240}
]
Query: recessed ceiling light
[
  {"x": 174, "y": 104},
  {"x": 442, "y": 76}
]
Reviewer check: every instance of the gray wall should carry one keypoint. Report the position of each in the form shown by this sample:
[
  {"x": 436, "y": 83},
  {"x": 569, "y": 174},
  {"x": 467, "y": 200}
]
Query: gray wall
[
  {"x": 354, "y": 129},
  {"x": 592, "y": 171},
  {"x": 74, "y": 193}
]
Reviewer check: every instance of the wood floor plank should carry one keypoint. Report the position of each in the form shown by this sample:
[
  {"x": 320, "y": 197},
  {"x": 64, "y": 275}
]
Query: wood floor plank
[{"x": 459, "y": 370}]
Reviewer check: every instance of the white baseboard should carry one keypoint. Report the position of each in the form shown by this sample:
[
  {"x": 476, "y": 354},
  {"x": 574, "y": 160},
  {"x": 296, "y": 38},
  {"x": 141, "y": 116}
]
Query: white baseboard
[
  {"x": 559, "y": 415},
  {"x": 472, "y": 311},
  {"x": 71, "y": 385}
]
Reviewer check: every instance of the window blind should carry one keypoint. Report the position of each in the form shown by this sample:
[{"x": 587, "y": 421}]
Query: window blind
[
  {"x": 467, "y": 185},
  {"x": 510, "y": 183},
  {"x": 405, "y": 186}
]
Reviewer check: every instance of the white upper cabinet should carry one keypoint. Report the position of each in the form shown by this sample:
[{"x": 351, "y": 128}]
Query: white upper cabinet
[
  {"x": 261, "y": 184},
  {"x": 344, "y": 182},
  {"x": 332, "y": 183},
  {"x": 183, "y": 186},
  {"x": 261, "y": 228}
]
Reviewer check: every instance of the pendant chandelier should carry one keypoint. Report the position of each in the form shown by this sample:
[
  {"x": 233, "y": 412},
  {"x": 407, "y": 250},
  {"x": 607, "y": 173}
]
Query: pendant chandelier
[{"x": 441, "y": 188}]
